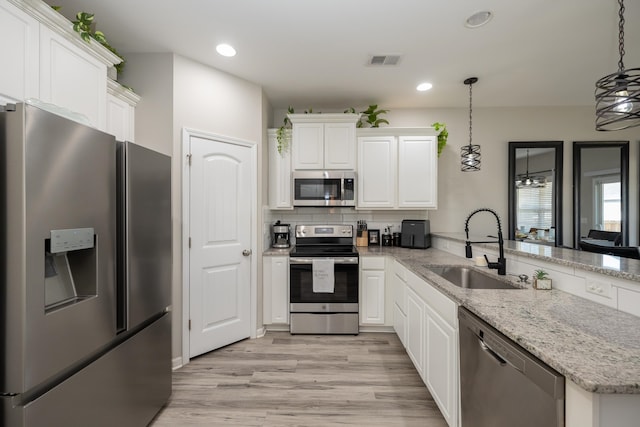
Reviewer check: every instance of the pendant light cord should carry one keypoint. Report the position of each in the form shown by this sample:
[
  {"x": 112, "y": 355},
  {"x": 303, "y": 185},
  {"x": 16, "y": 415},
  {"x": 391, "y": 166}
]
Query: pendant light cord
[
  {"x": 621, "y": 36},
  {"x": 470, "y": 112}
]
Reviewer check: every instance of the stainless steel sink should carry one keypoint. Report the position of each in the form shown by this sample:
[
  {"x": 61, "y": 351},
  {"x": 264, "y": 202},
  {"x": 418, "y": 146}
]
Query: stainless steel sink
[{"x": 467, "y": 277}]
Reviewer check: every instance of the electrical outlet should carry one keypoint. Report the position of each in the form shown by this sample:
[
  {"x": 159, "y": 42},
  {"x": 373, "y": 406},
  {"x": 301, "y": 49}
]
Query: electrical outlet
[{"x": 599, "y": 288}]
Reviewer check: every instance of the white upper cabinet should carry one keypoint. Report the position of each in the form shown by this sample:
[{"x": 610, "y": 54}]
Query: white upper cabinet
[
  {"x": 397, "y": 168},
  {"x": 50, "y": 61},
  {"x": 72, "y": 79},
  {"x": 19, "y": 40},
  {"x": 377, "y": 163},
  {"x": 417, "y": 172},
  {"x": 279, "y": 174},
  {"x": 324, "y": 141},
  {"x": 121, "y": 108}
]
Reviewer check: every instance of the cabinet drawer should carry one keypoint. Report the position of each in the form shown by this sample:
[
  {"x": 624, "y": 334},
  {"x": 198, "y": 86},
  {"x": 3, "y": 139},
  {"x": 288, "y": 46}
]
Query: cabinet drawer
[
  {"x": 372, "y": 263},
  {"x": 400, "y": 271}
]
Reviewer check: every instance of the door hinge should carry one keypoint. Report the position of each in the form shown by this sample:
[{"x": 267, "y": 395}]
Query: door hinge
[
  {"x": 189, "y": 158},
  {"x": 189, "y": 324},
  {"x": 189, "y": 242}
]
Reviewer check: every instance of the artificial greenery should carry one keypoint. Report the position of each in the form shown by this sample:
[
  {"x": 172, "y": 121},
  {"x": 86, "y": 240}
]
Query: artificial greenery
[
  {"x": 540, "y": 274},
  {"x": 281, "y": 134},
  {"x": 371, "y": 117},
  {"x": 82, "y": 25},
  {"x": 442, "y": 135}
]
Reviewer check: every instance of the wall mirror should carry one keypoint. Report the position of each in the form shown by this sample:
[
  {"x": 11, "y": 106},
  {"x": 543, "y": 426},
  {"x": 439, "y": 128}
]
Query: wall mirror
[
  {"x": 535, "y": 192},
  {"x": 600, "y": 190}
]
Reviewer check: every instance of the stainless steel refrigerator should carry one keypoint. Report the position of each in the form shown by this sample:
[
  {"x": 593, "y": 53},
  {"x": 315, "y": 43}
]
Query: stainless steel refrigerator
[{"x": 85, "y": 271}]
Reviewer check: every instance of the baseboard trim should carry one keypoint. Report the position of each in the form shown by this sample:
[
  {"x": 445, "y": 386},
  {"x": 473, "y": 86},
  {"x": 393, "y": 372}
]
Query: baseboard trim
[
  {"x": 385, "y": 329},
  {"x": 176, "y": 363}
]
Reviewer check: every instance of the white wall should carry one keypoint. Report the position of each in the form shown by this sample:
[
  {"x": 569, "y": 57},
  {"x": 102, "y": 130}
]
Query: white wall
[{"x": 459, "y": 193}]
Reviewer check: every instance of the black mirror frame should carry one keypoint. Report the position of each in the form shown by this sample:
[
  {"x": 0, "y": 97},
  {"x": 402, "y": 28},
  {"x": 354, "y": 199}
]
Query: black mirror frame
[
  {"x": 557, "y": 183},
  {"x": 624, "y": 179}
]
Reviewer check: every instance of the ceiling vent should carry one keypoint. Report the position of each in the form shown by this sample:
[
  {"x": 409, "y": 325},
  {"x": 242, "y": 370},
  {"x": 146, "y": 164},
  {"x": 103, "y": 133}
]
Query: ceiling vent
[{"x": 377, "y": 60}]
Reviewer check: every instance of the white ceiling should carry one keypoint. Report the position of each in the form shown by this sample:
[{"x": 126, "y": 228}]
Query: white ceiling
[{"x": 314, "y": 54}]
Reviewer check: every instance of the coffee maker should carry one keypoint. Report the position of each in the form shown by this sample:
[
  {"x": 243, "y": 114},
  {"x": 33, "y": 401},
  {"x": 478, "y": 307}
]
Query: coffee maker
[{"x": 280, "y": 235}]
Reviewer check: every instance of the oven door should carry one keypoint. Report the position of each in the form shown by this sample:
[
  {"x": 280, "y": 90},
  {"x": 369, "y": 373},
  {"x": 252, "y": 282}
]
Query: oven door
[{"x": 345, "y": 295}]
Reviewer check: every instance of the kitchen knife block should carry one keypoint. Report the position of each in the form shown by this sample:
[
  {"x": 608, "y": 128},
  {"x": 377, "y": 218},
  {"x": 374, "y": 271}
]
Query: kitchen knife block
[{"x": 362, "y": 239}]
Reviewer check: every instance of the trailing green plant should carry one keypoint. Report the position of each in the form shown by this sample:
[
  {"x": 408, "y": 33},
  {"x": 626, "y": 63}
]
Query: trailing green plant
[
  {"x": 371, "y": 117},
  {"x": 83, "y": 24},
  {"x": 442, "y": 135},
  {"x": 282, "y": 135},
  {"x": 540, "y": 274}
]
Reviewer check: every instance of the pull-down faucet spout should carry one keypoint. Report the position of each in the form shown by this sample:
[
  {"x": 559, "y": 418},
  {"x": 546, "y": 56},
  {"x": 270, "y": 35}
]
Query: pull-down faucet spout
[{"x": 501, "y": 265}]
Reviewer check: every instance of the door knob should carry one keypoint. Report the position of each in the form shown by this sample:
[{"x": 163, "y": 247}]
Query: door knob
[{"x": 246, "y": 252}]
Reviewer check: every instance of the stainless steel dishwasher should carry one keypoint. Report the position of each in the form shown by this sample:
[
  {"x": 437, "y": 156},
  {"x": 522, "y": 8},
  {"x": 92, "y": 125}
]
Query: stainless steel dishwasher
[{"x": 501, "y": 384}]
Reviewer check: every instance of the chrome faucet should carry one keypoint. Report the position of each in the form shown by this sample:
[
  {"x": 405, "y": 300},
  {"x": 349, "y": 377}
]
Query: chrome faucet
[{"x": 501, "y": 265}]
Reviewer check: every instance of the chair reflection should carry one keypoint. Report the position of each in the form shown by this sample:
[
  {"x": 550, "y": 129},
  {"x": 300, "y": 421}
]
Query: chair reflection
[{"x": 621, "y": 251}]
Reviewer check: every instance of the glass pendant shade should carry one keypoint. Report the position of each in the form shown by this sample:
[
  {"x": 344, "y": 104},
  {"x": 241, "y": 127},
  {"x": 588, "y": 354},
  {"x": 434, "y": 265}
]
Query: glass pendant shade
[
  {"x": 470, "y": 154},
  {"x": 618, "y": 94}
]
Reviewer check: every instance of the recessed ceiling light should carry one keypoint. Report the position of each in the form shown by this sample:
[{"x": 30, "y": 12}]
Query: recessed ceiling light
[
  {"x": 424, "y": 86},
  {"x": 478, "y": 19},
  {"x": 225, "y": 50}
]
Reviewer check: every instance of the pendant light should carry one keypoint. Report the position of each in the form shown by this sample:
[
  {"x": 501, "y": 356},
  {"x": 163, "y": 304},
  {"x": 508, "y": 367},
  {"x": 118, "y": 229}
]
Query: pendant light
[
  {"x": 528, "y": 181},
  {"x": 618, "y": 94},
  {"x": 470, "y": 154}
]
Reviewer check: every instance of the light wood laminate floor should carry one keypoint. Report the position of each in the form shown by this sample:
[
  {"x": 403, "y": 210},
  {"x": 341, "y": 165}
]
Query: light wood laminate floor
[{"x": 302, "y": 380}]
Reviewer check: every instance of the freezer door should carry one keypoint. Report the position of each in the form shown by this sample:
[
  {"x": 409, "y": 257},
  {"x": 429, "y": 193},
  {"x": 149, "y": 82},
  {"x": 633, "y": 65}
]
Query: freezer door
[
  {"x": 148, "y": 231},
  {"x": 58, "y": 249}
]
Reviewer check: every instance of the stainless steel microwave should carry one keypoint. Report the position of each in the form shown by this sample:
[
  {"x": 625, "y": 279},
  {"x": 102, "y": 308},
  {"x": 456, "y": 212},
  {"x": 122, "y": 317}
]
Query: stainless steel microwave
[{"x": 324, "y": 188}]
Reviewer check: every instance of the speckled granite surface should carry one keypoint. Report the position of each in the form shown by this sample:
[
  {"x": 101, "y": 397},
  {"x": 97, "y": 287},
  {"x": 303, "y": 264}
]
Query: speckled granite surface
[
  {"x": 277, "y": 251},
  {"x": 624, "y": 268},
  {"x": 596, "y": 347}
]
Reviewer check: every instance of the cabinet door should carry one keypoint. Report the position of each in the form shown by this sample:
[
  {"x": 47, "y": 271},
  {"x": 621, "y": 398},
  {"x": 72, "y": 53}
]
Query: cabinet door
[
  {"x": 19, "y": 46},
  {"x": 399, "y": 288},
  {"x": 275, "y": 284},
  {"x": 372, "y": 297},
  {"x": 417, "y": 172},
  {"x": 307, "y": 146},
  {"x": 441, "y": 364},
  {"x": 119, "y": 119},
  {"x": 279, "y": 174},
  {"x": 415, "y": 330},
  {"x": 72, "y": 78},
  {"x": 340, "y": 146},
  {"x": 377, "y": 172}
]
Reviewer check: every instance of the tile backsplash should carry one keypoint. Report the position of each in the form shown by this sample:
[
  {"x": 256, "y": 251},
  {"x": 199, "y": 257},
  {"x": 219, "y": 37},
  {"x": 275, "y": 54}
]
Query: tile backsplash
[{"x": 376, "y": 220}]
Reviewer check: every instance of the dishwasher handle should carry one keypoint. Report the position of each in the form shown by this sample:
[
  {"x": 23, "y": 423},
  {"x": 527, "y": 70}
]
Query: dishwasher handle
[{"x": 494, "y": 355}]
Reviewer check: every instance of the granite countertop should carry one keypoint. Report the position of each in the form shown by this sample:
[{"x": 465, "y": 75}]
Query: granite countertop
[
  {"x": 624, "y": 268},
  {"x": 596, "y": 347}
]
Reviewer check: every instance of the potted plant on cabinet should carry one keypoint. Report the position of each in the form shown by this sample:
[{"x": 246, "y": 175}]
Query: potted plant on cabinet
[
  {"x": 443, "y": 134},
  {"x": 541, "y": 280}
]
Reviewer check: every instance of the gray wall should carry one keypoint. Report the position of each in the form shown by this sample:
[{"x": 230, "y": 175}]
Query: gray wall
[{"x": 176, "y": 93}]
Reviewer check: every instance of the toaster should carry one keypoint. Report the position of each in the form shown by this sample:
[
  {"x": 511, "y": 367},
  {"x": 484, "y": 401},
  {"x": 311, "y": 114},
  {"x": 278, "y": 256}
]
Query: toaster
[{"x": 415, "y": 234}]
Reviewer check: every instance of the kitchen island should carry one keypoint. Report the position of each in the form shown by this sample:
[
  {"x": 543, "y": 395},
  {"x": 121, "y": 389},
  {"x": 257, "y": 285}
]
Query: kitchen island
[{"x": 596, "y": 347}]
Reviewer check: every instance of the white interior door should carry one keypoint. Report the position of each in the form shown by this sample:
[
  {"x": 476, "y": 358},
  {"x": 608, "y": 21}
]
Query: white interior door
[{"x": 220, "y": 254}]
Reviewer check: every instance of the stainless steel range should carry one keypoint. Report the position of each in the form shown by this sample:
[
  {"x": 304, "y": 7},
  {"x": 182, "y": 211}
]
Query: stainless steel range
[{"x": 324, "y": 280}]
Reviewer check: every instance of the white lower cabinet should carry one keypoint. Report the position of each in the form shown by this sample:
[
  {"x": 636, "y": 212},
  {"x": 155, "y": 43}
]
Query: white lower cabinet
[
  {"x": 275, "y": 289},
  {"x": 441, "y": 367},
  {"x": 431, "y": 328},
  {"x": 372, "y": 290},
  {"x": 399, "y": 286},
  {"x": 415, "y": 330}
]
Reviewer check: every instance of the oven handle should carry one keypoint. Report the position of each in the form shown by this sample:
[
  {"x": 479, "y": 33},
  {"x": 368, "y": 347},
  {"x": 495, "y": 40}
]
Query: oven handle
[{"x": 337, "y": 260}]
